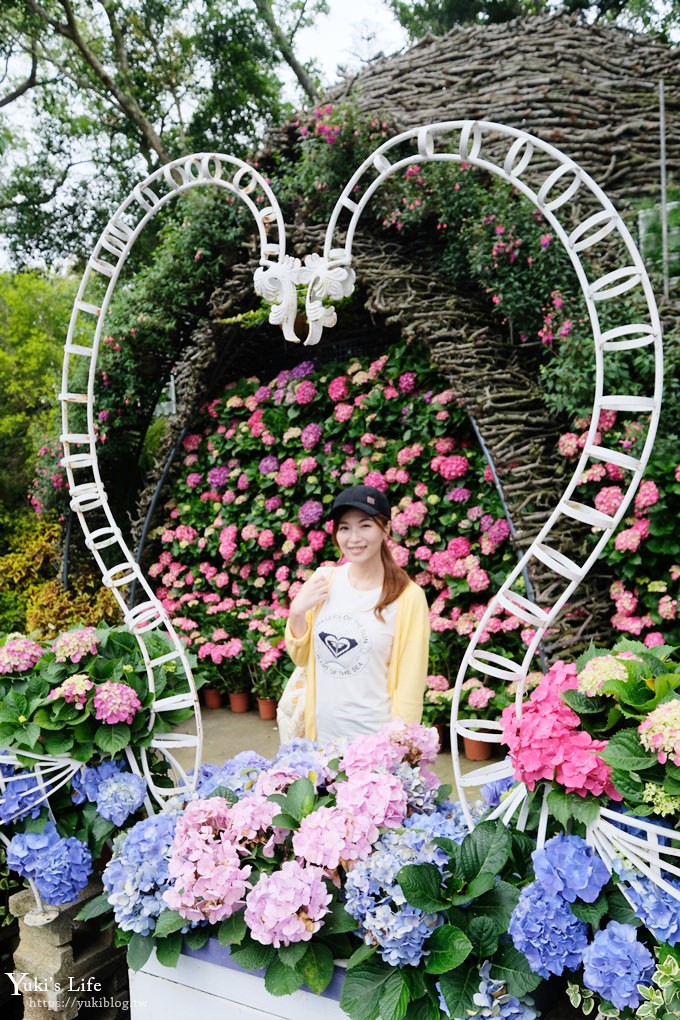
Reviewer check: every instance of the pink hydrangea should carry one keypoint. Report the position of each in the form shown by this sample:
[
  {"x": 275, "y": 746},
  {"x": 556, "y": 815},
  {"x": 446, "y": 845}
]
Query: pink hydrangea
[
  {"x": 437, "y": 682},
  {"x": 647, "y": 495},
  {"x": 287, "y": 906},
  {"x": 328, "y": 837},
  {"x": 209, "y": 881},
  {"x": 568, "y": 445},
  {"x": 73, "y": 690},
  {"x": 546, "y": 742},
  {"x": 454, "y": 466},
  {"x": 478, "y": 579},
  {"x": 627, "y": 540},
  {"x": 609, "y": 499},
  {"x": 480, "y": 697},
  {"x": 19, "y": 654},
  {"x": 668, "y": 607},
  {"x": 305, "y": 392},
  {"x": 74, "y": 644},
  {"x": 381, "y": 798},
  {"x": 115, "y": 703},
  {"x": 660, "y": 731},
  {"x": 337, "y": 388},
  {"x": 343, "y": 412}
]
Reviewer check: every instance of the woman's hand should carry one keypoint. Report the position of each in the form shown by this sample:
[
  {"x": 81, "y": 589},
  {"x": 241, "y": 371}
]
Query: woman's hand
[{"x": 312, "y": 593}]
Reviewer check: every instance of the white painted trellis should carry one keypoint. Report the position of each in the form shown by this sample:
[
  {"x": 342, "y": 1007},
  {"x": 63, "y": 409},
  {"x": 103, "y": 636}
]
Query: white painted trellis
[{"x": 556, "y": 186}]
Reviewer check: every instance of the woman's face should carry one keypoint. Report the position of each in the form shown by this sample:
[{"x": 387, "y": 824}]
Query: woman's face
[{"x": 359, "y": 536}]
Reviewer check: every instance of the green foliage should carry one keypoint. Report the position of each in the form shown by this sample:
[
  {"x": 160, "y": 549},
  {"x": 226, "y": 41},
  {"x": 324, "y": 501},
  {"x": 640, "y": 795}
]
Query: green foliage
[
  {"x": 32, "y": 598},
  {"x": 33, "y": 718},
  {"x": 476, "y": 892},
  {"x": 419, "y": 17},
  {"x": 132, "y": 86},
  {"x": 34, "y": 313}
]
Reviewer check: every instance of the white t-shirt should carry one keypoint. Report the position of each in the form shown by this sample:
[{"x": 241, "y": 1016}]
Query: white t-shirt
[{"x": 352, "y": 648}]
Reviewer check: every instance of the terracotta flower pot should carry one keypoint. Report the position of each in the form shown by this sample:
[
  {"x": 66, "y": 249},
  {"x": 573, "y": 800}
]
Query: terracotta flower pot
[
  {"x": 443, "y": 734},
  {"x": 266, "y": 708},
  {"x": 477, "y": 750},
  {"x": 239, "y": 701},
  {"x": 212, "y": 698}
]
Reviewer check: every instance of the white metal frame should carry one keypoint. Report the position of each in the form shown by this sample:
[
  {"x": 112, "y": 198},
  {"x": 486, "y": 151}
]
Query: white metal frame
[{"x": 563, "y": 186}]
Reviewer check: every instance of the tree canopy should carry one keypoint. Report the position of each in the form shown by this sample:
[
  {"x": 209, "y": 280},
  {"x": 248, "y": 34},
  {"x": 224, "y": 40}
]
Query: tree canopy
[
  {"x": 109, "y": 90},
  {"x": 419, "y": 17}
]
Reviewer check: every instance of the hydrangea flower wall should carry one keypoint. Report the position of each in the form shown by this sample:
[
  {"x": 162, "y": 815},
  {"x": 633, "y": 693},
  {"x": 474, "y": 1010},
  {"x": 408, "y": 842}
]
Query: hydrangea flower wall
[
  {"x": 644, "y": 558},
  {"x": 247, "y": 520}
]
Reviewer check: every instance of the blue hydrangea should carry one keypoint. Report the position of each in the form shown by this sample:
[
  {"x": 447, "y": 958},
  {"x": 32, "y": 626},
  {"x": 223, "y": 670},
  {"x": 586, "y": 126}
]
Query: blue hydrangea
[
  {"x": 447, "y": 819},
  {"x": 545, "y": 930},
  {"x": 59, "y": 866},
  {"x": 492, "y": 1002},
  {"x": 85, "y": 784},
  {"x": 567, "y": 866},
  {"x": 303, "y": 757},
  {"x": 238, "y": 774},
  {"x": 375, "y": 899},
  {"x": 656, "y": 908},
  {"x": 493, "y": 792},
  {"x": 120, "y": 796},
  {"x": 615, "y": 963},
  {"x": 21, "y": 796},
  {"x": 137, "y": 874}
]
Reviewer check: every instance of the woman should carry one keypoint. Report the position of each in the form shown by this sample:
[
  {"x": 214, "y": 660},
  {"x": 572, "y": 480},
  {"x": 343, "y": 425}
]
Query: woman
[{"x": 361, "y": 630}]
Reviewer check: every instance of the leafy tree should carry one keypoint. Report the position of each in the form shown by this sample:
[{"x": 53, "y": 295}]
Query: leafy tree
[
  {"x": 112, "y": 89},
  {"x": 419, "y": 17},
  {"x": 34, "y": 314}
]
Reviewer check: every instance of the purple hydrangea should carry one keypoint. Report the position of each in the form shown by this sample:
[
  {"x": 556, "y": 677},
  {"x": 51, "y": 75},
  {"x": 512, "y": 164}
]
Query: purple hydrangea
[
  {"x": 310, "y": 512},
  {"x": 310, "y": 435},
  {"x": 615, "y": 963},
  {"x": 268, "y": 465},
  {"x": 21, "y": 796},
  {"x": 137, "y": 875},
  {"x": 545, "y": 930},
  {"x": 59, "y": 866},
  {"x": 567, "y": 866},
  {"x": 218, "y": 476},
  {"x": 301, "y": 370},
  {"x": 120, "y": 796}
]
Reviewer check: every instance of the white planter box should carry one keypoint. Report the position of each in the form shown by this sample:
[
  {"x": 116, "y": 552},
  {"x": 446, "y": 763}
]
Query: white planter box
[{"x": 205, "y": 984}]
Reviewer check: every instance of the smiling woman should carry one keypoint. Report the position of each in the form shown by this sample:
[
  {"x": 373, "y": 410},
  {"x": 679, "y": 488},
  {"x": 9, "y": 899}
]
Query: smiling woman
[{"x": 360, "y": 629}]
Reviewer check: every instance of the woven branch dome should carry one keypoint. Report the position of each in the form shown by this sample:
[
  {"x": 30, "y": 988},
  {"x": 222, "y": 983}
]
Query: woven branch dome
[{"x": 592, "y": 91}]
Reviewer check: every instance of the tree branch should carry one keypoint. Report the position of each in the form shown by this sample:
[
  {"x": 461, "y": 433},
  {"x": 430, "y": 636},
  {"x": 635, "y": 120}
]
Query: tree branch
[
  {"x": 29, "y": 82},
  {"x": 264, "y": 9},
  {"x": 127, "y": 103}
]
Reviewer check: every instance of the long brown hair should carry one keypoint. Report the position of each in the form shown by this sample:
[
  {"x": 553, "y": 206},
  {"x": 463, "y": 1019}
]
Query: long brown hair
[{"x": 395, "y": 579}]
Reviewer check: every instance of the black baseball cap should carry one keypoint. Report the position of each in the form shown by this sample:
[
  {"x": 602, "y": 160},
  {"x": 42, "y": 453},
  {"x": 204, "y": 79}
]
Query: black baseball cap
[{"x": 362, "y": 497}]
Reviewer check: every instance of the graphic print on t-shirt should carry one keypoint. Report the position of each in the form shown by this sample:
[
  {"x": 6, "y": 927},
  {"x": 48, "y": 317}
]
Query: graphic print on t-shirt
[{"x": 342, "y": 645}]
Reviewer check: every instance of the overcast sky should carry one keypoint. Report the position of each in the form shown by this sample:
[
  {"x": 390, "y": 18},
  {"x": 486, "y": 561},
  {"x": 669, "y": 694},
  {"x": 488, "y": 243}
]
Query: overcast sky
[{"x": 353, "y": 31}]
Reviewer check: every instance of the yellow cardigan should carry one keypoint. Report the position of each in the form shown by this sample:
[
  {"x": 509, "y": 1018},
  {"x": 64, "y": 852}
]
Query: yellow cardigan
[{"x": 408, "y": 662}]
